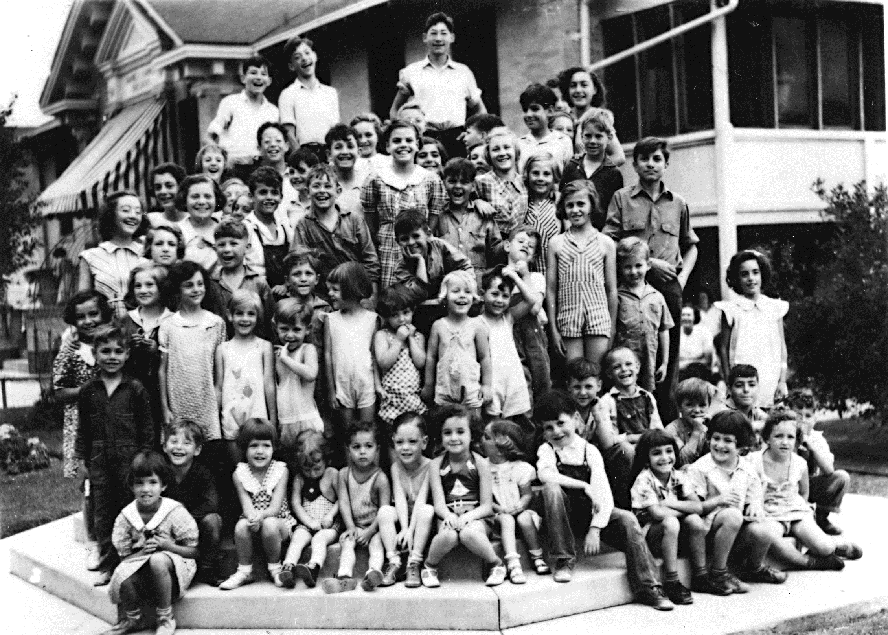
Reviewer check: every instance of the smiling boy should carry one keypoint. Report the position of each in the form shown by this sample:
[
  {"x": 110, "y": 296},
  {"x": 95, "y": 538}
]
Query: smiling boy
[
  {"x": 351, "y": 170},
  {"x": 274, "y": 235},
  {"x": 538, "y": 104}
]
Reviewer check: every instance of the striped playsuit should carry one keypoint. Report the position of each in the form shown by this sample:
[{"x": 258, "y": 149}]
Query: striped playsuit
[{"x": 582, "y": 301}]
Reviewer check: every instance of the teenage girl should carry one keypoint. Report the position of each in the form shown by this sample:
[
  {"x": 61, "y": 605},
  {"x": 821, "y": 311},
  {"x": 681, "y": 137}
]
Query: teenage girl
[
  {"x": 164, "y": 245},
  {"x": 399, "y": 186},
  {"x": 400, "y": 354},
  {"x": 244, "y": 371},
  {"x": 581, "y": 278},
  {"x": 665, "y": 503},
  {"x": 201, "y": 198},
  {"x": 511, "y": 479},
  {"x": 410, "y": 485},
  {"x": 503, "y": 187},
  {"x": 583, "y": 91},
  {"x": 752, "y": 325},
  {"x": 458, "y": 366},
  {"x": 541, "y": 176},
  {"x": 784, "y": 475},
  {"x": 107, "y": 268},
  {"x": 157, "y": 540},
  {"x": 348, "y": 342},
  {"x": 261, "y": 485},
  {"x": 211, "y": 160},
  {"x": 165, "y": 180},
  {"x": 461, "y": 490},
  {"x": 315, "y": 504},
  {"x": 143, "y": 324},
  {"x": 368, "y": 129}
]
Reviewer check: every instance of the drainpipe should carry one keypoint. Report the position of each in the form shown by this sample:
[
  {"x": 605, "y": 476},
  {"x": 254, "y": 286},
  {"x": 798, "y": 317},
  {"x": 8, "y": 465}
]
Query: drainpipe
[{"x": 585, "y": 35}]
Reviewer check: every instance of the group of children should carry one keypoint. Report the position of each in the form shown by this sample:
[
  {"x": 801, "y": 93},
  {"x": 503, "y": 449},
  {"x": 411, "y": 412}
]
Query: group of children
[{"x": 362, "y": 350}]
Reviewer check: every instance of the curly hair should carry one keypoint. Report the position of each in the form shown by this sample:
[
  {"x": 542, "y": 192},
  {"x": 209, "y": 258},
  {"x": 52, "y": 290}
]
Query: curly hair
[{"x": 733, "y": 274}]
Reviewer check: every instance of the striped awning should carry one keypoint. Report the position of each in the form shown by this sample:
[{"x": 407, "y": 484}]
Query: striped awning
[{"x": 121, "y": 156}]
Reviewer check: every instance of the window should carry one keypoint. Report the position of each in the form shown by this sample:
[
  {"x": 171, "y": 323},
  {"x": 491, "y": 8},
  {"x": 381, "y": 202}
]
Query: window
[
  {"x": 667, "y": 89},
  {"x": 66, "y": 225},
  {"x": 793, "y": 66},
  {"x": 838, "y": 68}
]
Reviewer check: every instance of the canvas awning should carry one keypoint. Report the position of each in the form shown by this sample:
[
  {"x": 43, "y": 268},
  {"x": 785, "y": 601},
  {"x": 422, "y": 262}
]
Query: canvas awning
[{"x": 120, "y": 157}]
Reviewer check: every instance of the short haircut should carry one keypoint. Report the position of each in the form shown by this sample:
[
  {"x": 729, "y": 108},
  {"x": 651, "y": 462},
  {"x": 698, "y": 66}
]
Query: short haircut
[
  {"x": 414, "y": 418},
  {"x": 184, "y": 270},
  {"x": 170, "y": 229},
  {"x": 108, "y": 215},
  {"x": 531, "y": 232},
  {"x": 508, "y": 439},
  {"x": 204, "y": 149},
  {"x": 599, "y": 119},
  {"x": 567, "y": 74},
  {"x": 322, "y": 171},
  {"x": 580, "y": 368},
  {"x": 438, "y": 17},
  {"x": 650, "y": 439},
  {"x": 339, "y": 132},
  {"x": 460, "y": 169},
  {"x": 354, "y": 283},
  {"x": 732, "y": 276},
  {"x": 192, "y": 180},
  {"x": 302, "y": 255},
  {"x": 270, "y": 124},
  {"x": 459, "y": 276},
  {"x": 580, "y": 186},
  {"x": 552, "y": 404},
  {"x": 231, "y": 181},
  {"x": 393, "y": 299},
  {"x": 267, "y": 176},
  {"x": 734, "y": 423},
  {"x": 292, "y": 312},
  {"x": 778, "y": 416},
  {"x": 560, "y": 113},
  {"x": 443, "y": 413},
  {"x": 82, "y": 297},
  {"x": 608, "y": 359},
  {"x": 189, "y": 427},
  {"x": 257, "y": 61},
  {"x": 539, "y": 94},
  {"x": 741, "y": 371},
  {"x": 294, "y": 43},
  {"x": 503, "y": 131},
  {"x": 148, "y": 463},
  {"x": 110, "y": 332},
  {"x": 491, "y": 275},
  {"x": 256, "y": 429},
  {"x": 302, "y": 155},
  {"x": 632, "y": 246},
  {"x": 694, "y": 390},
  {"x": 246, "y": 299},
  {"x": 442, "y": 151},
  {"x": 484, "y": 122},
  {"x": 158, "y": 272},
  {"x": 173, "y": 169},
  {"x": 647, "y": 146},
  {"x": 361, "y": 426},
  {"x": 799, "y": 398},
  {"x": 396, "y": 124},
  {"x": 230, "y": 228},
  {"x": 367, "y": 117},
  {"x": 542, "y": 157},
  {"x": 409, "y": 221}
]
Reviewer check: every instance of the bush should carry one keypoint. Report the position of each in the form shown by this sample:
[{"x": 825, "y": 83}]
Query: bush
[
  {"x": 18, "y": 454},
  {"x": 838, "y": 336}
]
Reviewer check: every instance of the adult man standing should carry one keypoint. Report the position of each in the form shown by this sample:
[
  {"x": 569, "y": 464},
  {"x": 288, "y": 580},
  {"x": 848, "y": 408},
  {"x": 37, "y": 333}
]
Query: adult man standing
[
  {"x": 308, "y": 107},
  {"x": 445, "y": 90}
]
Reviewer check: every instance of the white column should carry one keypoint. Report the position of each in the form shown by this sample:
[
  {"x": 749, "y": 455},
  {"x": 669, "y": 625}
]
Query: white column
[{"x": 724, "y": 140}]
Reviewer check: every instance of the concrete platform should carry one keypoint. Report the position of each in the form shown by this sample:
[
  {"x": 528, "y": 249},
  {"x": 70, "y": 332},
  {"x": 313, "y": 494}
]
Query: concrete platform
[{"x": 598, "y": 598}]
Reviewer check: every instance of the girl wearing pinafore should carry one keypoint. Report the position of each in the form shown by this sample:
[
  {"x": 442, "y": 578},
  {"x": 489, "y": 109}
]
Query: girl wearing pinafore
[{"x": 582, "y": 277}]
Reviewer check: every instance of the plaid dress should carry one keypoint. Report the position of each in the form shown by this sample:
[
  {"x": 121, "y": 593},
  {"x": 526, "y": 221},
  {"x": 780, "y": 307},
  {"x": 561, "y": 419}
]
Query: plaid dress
[
  {"x": 582, "y": 300},
  {"x": 386, "y": 195},
  {"x": 508, "y": 197}
]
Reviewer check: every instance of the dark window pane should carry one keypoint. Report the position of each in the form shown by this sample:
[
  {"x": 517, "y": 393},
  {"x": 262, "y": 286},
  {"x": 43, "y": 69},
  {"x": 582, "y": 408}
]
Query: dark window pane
[
  {"x": 794, "y": 86},
  {"x": 695, "y": 72},
  {"x": 656, "y": 81},
  {"x": 838, "y": 61},
  {"x": 66, "y": 225},
  {"x": 750, "y": 70},
  {"x": 619, "y": 79},
  {"x": 873, "y": 36}
]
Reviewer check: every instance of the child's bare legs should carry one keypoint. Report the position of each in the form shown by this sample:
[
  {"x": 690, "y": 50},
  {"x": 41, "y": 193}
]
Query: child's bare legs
[
  {"x": 299, "y": 541},
  {"x": 532, "y": 539},
  {"x": 319, "y": 543},
  {"x": 162, "y": 579},
  {"x": 697, "y": 541},
  {"x": 346, "y": 558},
  {"x": 726, "y": 525},
  {"x": 243, "y": 542},
  {"x": 758, "y": 537},
  {"x": 595, "y": 346},
  {"x": 573, "y": 348},
  {"x": 387, "y": 518},
  {"x": 274, "y": 532},
  {"x": 349, "y": 416},
  {"x": 814, "y": 538},
  {"x": 507, "y": 533},
  {"x": 442, "y": 544},
  {"x": 377, "y": 552},
  {"x": 425, "y": 514},
  {"x": 669, "y": 544},
  {"x": 474, "y": 537}
]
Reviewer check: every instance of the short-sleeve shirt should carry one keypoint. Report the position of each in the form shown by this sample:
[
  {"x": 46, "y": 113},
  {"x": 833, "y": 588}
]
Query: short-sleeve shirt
[
  {"x": 312, "y": 110},
  {"x": 442, "y": 93},
  {"x": 111, "y": 265},
  {"x": 507, "y": 479},
  {"x": 640, "y": 319},
  {"x": 710, "y": 480},
  {"x": 508, "y": 197},
  {"x": 648, "y": 491},
  {"x": 555, "y": 143},
  {"x": 237, "y": 121},
  {"x": 663, "y": 223}
]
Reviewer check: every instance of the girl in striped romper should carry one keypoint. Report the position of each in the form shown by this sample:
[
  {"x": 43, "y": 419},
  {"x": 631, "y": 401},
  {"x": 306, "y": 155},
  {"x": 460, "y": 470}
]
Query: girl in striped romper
[{"x": 581, "y": 279}]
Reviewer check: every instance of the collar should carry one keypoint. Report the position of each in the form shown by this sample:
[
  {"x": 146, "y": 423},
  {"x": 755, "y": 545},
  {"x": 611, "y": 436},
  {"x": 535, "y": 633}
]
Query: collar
[
  {"x": 340, "y": 213},
  {"x": 400, "y": 182},
  {"x": 615, "y": 393},
  {"x": 646, "y": 290},
  {"x": 136, "y": 316},
  {"x": 427, "y": 62},
  {"x": 262, "y": 99},
  {"x": 249, "y": 272},
  {"x": 299, "y": 84},
  {"x": 637, "y": 190},
  {"x": 131, "y": 513},
  {"x": 110, "y": 247},
  {"x": 746, "y": 304}
]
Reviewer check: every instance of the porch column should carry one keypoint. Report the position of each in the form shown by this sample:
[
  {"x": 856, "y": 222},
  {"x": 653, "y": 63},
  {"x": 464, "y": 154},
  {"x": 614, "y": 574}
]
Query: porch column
[{"x": 724, "y": 140}]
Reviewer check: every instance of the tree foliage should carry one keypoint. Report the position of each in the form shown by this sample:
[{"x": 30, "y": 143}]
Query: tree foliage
[
  {"x": 838, "y": 335},
  {"x": 17, "y": 216}
]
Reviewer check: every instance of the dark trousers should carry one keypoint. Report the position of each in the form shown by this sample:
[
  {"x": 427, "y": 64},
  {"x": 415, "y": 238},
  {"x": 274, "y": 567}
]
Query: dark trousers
[
  {"x": 450, "y": 139},
  {"x": 618, "y": 465},
  {"x": 215, "y": 457},
  {"x": 828, "y": 491},
  {"x": 532, "y": 345},
  {"x": 568, "y": 513},
  {"x": 110, "y": 493},
  {"x": 210, "y": 536},
  {"x": 671, "y": 291}
]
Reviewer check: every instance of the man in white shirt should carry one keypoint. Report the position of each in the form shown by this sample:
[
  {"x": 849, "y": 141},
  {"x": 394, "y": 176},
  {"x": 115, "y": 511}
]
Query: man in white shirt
[
  {"x": 308, "y": 107},
  {"x": 240, "y": 115},
  {"x": 445, "y": 90}
]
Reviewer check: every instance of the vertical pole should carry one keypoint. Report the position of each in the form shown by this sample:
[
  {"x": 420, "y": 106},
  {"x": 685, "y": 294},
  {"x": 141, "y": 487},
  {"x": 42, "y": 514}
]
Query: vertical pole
[
  {"x": 585, "y": 35},
  {"x": 724, "y": 140}
]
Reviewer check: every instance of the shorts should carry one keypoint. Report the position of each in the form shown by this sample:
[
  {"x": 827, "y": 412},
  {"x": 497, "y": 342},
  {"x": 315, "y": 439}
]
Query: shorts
[{"x": 358, "y": 392}]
